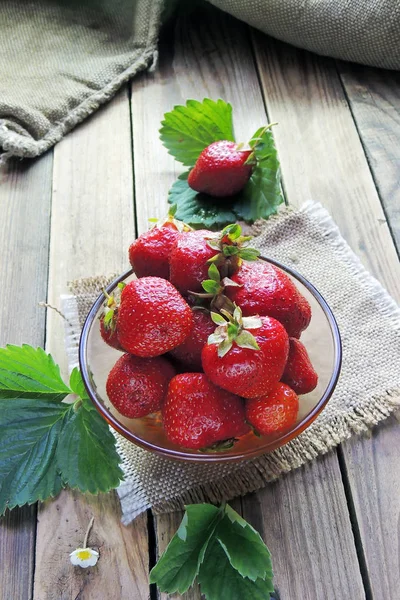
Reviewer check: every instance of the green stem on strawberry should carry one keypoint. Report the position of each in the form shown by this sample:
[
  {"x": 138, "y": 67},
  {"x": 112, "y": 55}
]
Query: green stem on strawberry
[
  {"x": 170, "y": 220},
  {"x": 220, "y": 446},
  {"x": 233, "y": 328},
  {"x": 214, "y": 288},
  {"x": 255, "y": 141},
  {"x": 232, "y": 249}
]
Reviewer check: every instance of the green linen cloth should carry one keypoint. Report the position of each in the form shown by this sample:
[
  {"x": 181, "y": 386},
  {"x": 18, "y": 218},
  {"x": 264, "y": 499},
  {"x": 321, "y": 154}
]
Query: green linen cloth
[{"x": 61, "y": 59}]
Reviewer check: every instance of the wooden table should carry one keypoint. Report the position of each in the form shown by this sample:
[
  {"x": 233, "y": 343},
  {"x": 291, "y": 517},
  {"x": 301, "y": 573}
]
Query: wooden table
[{"x": 332, "y": 526}]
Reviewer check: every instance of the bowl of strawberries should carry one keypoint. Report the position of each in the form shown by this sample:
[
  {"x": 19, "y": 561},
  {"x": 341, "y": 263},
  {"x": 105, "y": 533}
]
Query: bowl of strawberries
[{"x": 206, "y": 350}]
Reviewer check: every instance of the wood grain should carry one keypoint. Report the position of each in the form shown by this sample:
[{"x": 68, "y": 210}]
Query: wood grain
[
  {"x": 25, "y": 195},
  {"x": 323, "y": 160},
  {"x": 374, "y": 98},
  {"x": 312, "y": 559},
  {"x": 92, "y": 223},
  {"x": 320, "y": 151},
  {"x": 215, "y": 60},
  {"x": 166, "y": 526}
]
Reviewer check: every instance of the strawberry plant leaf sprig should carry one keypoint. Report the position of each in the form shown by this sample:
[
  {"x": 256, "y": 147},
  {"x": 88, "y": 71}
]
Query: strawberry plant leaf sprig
[
  {"x": 47, "y": 444},
  {"x": 228, "y": 557},
  {"x": 188, "y": 130}
]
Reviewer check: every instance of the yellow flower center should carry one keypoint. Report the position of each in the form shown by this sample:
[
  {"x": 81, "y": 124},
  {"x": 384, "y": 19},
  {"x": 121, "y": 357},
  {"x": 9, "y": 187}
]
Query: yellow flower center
[{"x": 84, "y": 554}]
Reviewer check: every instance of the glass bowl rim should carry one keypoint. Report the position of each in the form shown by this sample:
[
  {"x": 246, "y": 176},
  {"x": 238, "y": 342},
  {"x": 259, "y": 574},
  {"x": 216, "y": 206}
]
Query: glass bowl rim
[{"x": 214, "y": 457}]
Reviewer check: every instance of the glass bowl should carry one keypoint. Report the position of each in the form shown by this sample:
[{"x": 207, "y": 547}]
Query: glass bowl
[{"x": 321, "y": 338}]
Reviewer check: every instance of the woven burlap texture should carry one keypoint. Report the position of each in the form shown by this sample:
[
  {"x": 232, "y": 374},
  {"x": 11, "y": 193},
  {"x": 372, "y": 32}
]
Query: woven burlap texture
[
  {"x": 61, "y": 60},
  {"x": 367, "y": 392},
  {"x": 364, "y": 31}
]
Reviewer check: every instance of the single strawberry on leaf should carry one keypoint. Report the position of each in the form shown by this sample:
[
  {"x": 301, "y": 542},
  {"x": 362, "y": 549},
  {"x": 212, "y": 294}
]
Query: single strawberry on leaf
[
  {"x": 186, "y": 132},
  {"x": 222, "y": 169}
]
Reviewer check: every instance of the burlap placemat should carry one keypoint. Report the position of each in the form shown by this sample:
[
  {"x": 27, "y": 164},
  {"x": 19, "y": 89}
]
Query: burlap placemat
[{"x": 367, "y": 392}]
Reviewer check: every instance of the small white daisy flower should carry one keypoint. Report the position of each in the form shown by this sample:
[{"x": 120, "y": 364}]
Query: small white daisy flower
[{"x": 85, "y": 557}]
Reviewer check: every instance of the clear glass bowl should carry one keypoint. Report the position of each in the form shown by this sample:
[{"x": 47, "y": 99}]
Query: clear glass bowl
[{"x": 321, "y": 338}]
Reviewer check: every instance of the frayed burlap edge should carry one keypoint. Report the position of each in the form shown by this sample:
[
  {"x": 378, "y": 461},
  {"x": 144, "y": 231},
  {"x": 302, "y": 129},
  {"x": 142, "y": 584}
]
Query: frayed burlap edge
[
  {"x": 307, "y": 447},
  {"x": 16, "y": 144}
]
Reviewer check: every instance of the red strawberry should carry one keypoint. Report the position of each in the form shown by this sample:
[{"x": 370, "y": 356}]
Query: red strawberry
[
  {"x": 191, "y": 257},
  {"x": 137, "y": 386},
  {"x": 188, "y": 260},
  {"x": 274, "y": 413},
  {"x": 189, "y": 353},
  {"x": 153, "y": 317},
  {"x": 267, "y": 290},
  {"x": 149, "y": 254},
  {"x": 221, "y": 170},
  {"x": 197, "y": 414},
  {"x": 248, "y": 364},
  {"x": 108, "y": 330},
  {"x": 299, "y": 373}
]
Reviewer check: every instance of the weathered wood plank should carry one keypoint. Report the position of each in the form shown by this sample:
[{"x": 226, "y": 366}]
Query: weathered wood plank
[
  {"x": 165, "y": 528},
  {"x": 25, "y": 196},
  {"x": 320, "y": 151},
  {"x": 374, "y": 98},
  {"x": 92, "y": 222},
  {"x": 322, "y": 159},
  {"x": 208, "y": 54},
  {"x": 302, "y": 548}
]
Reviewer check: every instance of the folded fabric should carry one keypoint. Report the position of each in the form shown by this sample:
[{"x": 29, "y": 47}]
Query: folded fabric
[
  {"x": 367, "y": 392},
  {"x": 61, "y": 59},
  {"x": 363, "y": 31}
]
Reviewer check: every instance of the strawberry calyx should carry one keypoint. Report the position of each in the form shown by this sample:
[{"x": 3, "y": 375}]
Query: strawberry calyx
[
  {"x": 233, "y": 328},
  {"x": 109, "y": 316},
  {"x": 255, "y": 143},
  {"x": 220, "y": 446},
  {"x": 170, "y": 220},
  {"x": 232, "y": 249},
  {"x": 214, "y": 288}
]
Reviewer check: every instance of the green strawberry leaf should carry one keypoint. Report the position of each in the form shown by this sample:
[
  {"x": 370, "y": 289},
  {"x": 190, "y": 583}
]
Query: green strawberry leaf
[
  {"x": 86, "y": 451},
  {"x": 178, "y": 567},
  {"x": 76, "y": 384},
  {"x": 30, "y": 372},
  {"x": 187, "y": 130},
  {"x": 199, "y": 210},
  {"x": 226, "y": 554},
  {"x": 244, "y": 547},
  {"x": 262, "y": 194},
  {"x": 219, "y": 579},
  {"x": 30, "y": 430},
  {"x": 46, "y": 444}
]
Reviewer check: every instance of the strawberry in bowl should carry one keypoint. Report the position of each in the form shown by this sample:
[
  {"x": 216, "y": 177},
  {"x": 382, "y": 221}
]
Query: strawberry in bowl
[{"x": 201, "y": 357}]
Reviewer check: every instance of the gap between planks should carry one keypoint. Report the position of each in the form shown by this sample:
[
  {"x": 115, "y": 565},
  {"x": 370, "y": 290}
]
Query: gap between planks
[{"x": 92, "y": 225}]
